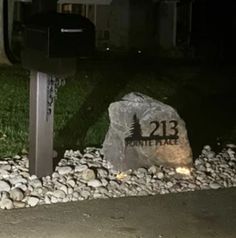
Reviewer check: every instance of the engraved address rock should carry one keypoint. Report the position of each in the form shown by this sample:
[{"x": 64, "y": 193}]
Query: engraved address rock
[{"x": 145, "y": 132}]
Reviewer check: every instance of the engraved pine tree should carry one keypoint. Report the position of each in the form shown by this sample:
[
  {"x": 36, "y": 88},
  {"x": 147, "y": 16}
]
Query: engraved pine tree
[{"x": 135, "y": 131}]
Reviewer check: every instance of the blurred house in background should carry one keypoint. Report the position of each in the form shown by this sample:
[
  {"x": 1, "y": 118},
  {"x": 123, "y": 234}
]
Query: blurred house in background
[
  {"x": 129, "y": 25},
  {"x": 203, "y": 28},
  {"x": 133, "y": 24}
]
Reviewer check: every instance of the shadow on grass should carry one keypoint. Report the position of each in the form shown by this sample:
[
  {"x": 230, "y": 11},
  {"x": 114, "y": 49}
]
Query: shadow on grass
[
  {"x": 207, "y": 105},
  {"x": 106, "y": 88}
]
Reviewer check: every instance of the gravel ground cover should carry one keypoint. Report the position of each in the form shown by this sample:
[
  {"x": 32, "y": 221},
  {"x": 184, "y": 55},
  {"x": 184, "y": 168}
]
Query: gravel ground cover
[{"x": 81, "y": 176}]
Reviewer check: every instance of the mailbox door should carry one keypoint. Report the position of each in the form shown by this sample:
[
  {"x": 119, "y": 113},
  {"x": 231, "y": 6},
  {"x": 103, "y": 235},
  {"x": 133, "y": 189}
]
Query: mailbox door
[{"x": 70, "y": 42}]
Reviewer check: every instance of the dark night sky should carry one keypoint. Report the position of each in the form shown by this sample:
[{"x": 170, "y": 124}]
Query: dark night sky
[{"x": 214, "y": 26}]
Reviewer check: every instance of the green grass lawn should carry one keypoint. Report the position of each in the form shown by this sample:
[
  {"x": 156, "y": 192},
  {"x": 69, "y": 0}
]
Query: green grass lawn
[
  {"x": 81, "y": 117},
  {"x": 14, "y": 106}
]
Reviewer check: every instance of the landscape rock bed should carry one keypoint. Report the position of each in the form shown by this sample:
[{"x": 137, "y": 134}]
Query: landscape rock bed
[{"x": 88, "y": 176}]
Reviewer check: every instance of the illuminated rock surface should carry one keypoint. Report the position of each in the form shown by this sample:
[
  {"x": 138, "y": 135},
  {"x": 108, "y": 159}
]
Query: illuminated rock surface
[{"x": 145, "y": 132}]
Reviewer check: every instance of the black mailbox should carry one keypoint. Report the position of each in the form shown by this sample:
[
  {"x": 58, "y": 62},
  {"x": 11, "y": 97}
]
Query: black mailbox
[{"x": 53, "y": 41}]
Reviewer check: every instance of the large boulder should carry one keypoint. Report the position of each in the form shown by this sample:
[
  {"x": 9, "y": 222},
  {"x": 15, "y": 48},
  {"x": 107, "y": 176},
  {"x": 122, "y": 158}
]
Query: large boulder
[{"x": 145, "y": 132}]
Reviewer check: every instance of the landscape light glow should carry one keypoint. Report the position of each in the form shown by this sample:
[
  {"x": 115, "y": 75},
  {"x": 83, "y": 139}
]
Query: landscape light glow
[
  {"x": 121, "y": 176},
  {"x": 183, "y": 170}
]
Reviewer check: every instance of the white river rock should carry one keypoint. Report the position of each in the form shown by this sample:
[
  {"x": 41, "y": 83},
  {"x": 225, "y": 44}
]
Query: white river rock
[
  {"x": 4, "y": 186},
  {"x": 88, "y": 175},
  {"x": 19, "y": 204},
  {"x": 103, "y": 181},
  {"x": 59, "y": 194},
  {"x": 32, "y": 201},
  {"x": 6, "y": 203},
  {"x": 16, "y": 194},
  {"x": 64, "y": 170},
  {"x": 94, "y": 183}
]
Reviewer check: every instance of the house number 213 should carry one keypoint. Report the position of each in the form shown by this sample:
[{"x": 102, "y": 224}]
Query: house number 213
[{"x": 164, "y": 126}]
